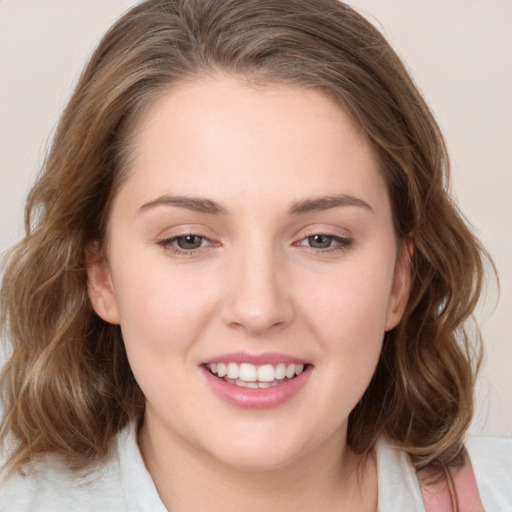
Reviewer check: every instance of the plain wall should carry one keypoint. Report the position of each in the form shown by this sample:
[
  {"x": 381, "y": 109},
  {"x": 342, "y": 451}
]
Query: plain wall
[{"x": 459, "y": 52}]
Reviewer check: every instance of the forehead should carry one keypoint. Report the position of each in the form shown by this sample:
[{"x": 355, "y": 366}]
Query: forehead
[{"x": 222, "y": 136}]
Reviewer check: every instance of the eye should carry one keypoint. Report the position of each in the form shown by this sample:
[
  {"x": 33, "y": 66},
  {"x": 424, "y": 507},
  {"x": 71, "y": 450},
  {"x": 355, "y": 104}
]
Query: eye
[
  {"x": 186, "y": 244},
  {"x": 320, "y": 241},
  {"x": 324, "y": 242},
  {"x": 189, "y": 242}
]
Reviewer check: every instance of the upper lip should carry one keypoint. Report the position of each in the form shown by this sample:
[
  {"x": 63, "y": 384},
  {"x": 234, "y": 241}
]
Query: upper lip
[{"x": 255, "y": 359}]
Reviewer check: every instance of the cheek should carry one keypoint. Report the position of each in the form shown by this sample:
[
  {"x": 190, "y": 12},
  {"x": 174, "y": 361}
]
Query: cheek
[
  {"x": 348, "y": 323},
  {"x": 162, "y": 317},
  {"x": 351, "y": 305},
  {"x": 162, "y": 310}
]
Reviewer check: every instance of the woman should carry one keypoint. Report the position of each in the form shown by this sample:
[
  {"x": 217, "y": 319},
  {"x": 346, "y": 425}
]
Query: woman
[{"x": 243, "y": 282}]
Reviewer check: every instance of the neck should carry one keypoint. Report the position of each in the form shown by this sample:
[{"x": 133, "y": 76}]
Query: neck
[{"x": 331, "y": 477}]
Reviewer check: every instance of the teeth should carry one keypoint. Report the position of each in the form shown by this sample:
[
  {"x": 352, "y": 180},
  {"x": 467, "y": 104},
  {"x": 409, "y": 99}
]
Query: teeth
[
  {"x": 247, "y": 372},
  {"x": 280, "y": 371},
  {"x": 233, "y": 371},
  {"x": 290, "y": 371},
  {"x": 221, "y": 369},
  {"x": 243, "y": 384},
  {"x": 266, "y": 373},
  {"x": 252, "y": 376}
]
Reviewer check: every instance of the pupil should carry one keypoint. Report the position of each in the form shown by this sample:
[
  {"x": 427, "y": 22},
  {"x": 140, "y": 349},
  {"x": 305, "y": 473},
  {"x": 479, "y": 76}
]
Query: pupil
[
  {"x": 320, "y": 241},
  {"x": 189, "y": 242}
]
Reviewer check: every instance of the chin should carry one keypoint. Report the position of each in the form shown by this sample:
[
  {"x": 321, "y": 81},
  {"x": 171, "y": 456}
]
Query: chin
[
  {"x": 265, "y": 453},
  {"x": 255, "y": 462}
]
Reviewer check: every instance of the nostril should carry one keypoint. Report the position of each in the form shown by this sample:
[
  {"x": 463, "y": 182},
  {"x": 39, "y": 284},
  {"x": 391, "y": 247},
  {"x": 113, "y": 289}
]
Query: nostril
[{"x": 256, "y": 300}]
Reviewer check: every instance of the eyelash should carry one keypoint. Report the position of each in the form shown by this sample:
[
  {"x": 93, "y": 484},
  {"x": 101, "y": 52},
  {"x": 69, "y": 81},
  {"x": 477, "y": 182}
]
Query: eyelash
[
  {"x": 340, "y": 244},
  {"x": 169, "y": 244}
]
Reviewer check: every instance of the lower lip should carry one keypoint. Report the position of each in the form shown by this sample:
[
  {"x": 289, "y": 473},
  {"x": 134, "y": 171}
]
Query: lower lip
[{"x": 256, "y": 398}]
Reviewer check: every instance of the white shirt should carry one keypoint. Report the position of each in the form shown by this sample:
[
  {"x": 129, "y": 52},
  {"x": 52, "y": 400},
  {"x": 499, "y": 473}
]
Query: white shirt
[{"x": 123, "y": 484}]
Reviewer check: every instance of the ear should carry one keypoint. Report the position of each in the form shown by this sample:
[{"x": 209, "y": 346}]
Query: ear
[
  {"x": 99, "y": 284},
  {"x": 400, "y": 288}
]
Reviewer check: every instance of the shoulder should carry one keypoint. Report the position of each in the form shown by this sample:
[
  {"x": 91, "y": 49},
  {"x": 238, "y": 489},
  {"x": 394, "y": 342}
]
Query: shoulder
[
  {"x": 120, "y": 484},
  {"x": 399, "y": 487},
  {"x": 48, "y": 485},
  {"x": 491, "y": 458}
]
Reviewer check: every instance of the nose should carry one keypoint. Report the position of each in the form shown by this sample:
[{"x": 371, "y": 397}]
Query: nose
[{"x": 258, "y": 297}]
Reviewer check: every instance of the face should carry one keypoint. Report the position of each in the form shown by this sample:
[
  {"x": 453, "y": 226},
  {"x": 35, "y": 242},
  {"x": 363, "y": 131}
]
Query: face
[{"x": 253, "y": 268}]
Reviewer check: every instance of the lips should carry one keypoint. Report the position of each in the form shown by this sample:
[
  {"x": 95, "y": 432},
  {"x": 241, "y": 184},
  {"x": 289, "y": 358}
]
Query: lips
[{"x": 256, "y": 381}]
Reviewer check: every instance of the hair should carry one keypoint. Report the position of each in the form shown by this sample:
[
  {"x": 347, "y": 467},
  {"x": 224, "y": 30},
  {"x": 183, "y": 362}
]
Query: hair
[{"x": 68, "y": 388}]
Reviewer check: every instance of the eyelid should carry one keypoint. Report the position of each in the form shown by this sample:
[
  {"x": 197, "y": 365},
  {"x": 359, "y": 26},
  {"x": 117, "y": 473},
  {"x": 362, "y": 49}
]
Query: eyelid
[
  {"x": 167, "y": 242},
  {"x": 343, "y": 243},
  {"x": 340, "y": 242}
]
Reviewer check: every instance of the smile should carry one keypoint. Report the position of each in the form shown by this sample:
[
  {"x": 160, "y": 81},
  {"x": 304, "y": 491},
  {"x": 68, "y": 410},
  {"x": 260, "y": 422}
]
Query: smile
[
  {"x": 248, "y": 375},
  {"x": 251, "y": 381}
]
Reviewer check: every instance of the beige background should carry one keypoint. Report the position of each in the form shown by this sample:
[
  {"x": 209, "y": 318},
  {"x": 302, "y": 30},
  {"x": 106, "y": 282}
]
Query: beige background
[{"x": 459, "y": 51}]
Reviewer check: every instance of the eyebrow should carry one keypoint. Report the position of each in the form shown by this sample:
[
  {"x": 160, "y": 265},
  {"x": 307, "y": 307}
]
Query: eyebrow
[
  {"x": 196, "y": 204},
  {"x": 202, "y": 205},
  {"x": 325, "y": 203}
]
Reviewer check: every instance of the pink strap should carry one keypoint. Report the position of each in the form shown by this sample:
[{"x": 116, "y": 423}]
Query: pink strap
[{"x": 455, "y": 493}]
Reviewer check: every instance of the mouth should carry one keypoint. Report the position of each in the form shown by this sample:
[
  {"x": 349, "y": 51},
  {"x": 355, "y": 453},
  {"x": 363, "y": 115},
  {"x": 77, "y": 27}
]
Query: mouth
[{"x": 246, "y": 375}]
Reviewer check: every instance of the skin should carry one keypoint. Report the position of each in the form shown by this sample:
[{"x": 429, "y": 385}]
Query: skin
[{"x": 258, "y": 283}]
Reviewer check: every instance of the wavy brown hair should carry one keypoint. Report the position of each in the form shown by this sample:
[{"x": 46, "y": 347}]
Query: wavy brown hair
[{"x": 68, "y": 387}]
